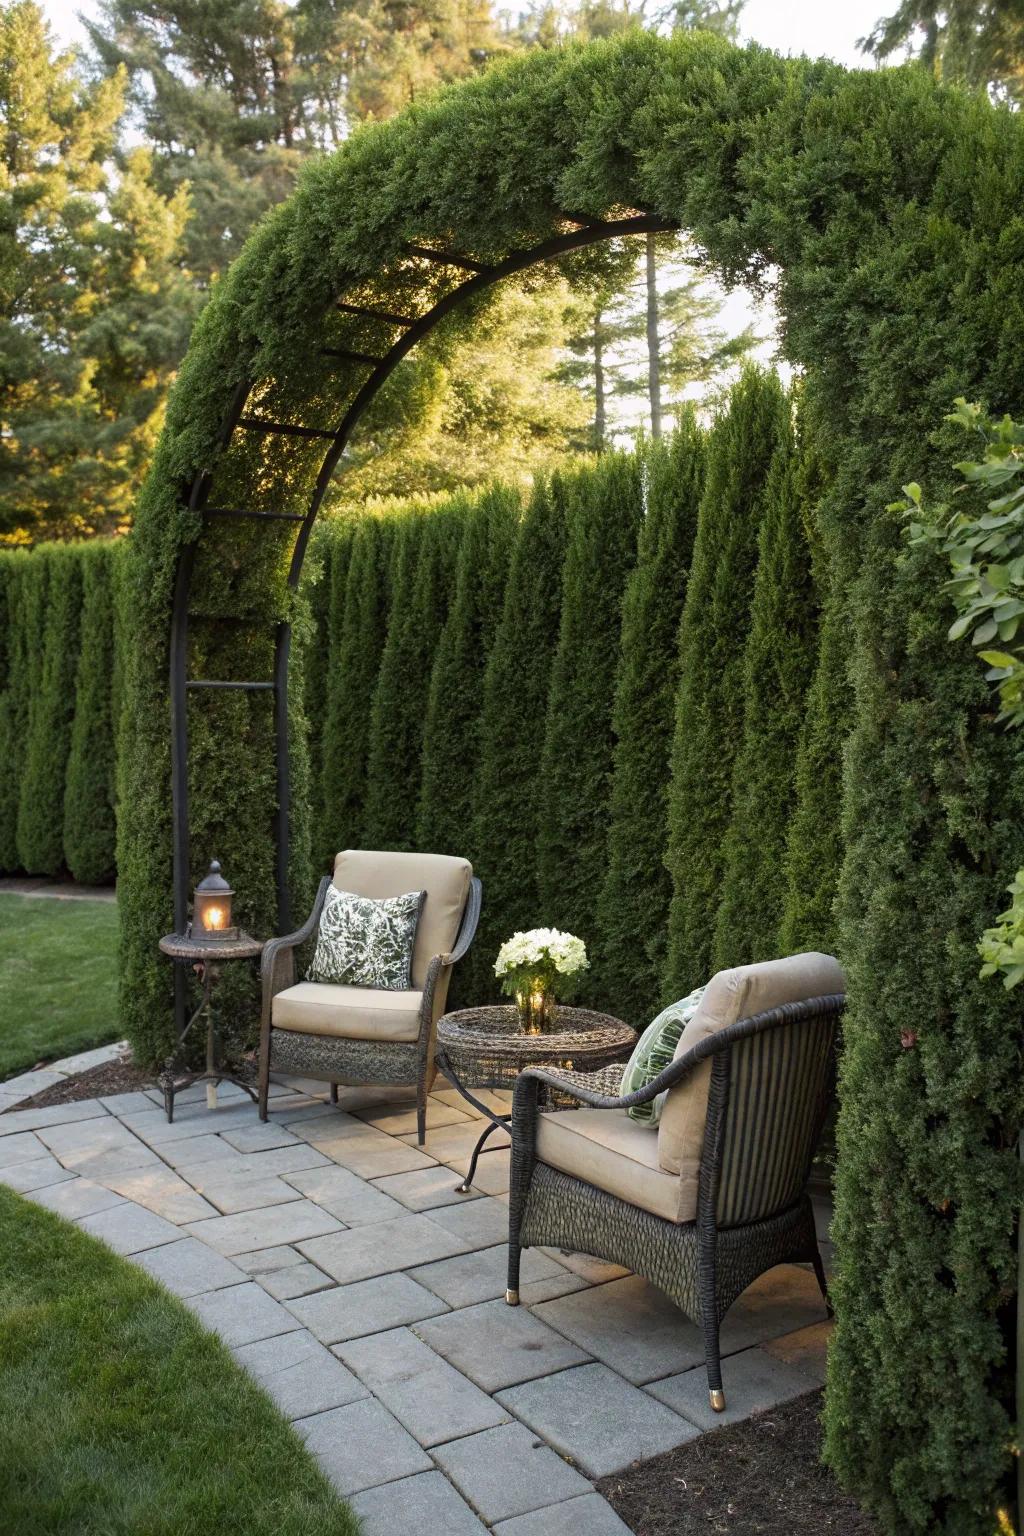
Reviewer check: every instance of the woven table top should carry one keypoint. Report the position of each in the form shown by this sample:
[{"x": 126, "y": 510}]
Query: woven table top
[
  {"x": 495, "y": 1033},
  {"x": 180, "y": 946}
]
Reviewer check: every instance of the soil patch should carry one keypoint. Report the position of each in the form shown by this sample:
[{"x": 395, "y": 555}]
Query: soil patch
[
  {"x": 97, "y": 1082},
  {"x": 763, "y": 1477}
]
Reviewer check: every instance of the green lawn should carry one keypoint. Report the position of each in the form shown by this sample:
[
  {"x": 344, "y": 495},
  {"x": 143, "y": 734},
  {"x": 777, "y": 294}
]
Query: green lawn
[
  {"x": 121, "y": 1416},
  {"x": 58, "y": 978}
]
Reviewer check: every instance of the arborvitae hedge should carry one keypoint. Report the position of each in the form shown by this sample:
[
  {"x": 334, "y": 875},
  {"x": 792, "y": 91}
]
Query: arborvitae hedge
[
  {"x": 89, "y": 824},
  {"x": 604, "y": 509},
  {"x": 358, "y": 633},
  {"x": 709, "y": 706},
  {"x": 633, "y": 910},
  {"x": 512, "y": 731},
  {"x": 16, "y": 573},
  {"x": 423, "y": 571},
  {"x": 324, "y": 589},
  {"x": 777, "y": 665},
  {"x": 451, "y": 734},
  {"x": 51, "y": 712}
]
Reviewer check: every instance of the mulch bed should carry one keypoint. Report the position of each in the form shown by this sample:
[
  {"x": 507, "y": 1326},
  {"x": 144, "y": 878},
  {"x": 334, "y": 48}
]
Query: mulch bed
[
  {"x": 97, "y": 1082},
  {"x": 763, "y": 1477}
]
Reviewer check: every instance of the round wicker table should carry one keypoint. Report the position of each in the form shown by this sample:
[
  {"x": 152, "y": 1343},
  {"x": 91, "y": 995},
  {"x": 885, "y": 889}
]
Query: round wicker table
[{"x": 486, "y": 1048}]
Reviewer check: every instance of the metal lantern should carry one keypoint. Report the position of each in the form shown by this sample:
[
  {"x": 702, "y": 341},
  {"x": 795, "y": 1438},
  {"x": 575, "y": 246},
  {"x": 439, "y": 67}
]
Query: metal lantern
[{"x": 211, "y": 908}]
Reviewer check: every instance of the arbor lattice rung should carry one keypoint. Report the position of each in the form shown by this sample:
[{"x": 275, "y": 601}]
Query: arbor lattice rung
[
  {"x": 447, "y": 258},
  {"x": 275, "y": 517},
  {"x": 204, "y": 682},
  {"x": 375, "y": 314},
  {"x": 286, "y": 428},
  {"x": 350, "y": 356}
]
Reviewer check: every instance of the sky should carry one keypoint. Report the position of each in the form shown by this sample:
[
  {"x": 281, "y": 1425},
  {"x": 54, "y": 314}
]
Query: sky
[{"x": 821, "y": 28}]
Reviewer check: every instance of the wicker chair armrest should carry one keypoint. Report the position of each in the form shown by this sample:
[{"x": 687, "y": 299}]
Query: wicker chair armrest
[
  {"x": 274, "y": 948},
  {"x": 468, "y": 925}
]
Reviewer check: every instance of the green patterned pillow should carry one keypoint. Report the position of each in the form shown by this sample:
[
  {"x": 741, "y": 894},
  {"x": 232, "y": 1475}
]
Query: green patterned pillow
[
  {"x": 653, "y": 1052},
  {"x": 364, "y": 943}
]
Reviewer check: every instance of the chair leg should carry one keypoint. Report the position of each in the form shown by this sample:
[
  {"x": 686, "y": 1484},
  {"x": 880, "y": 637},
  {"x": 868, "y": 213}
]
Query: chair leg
[
  {"x": 334, "y": 1093},
  {"x": 263, "y": 1085},
  {"x": 514, "y": 1255},
  {"x": 713, "y": 1358},
  {"x": 421, "y": 1109},
  {"x": 819, "y": 1274}
]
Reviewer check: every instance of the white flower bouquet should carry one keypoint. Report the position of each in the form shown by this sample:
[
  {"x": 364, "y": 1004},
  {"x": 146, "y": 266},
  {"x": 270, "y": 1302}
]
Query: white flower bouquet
[{"x": 535, "y": 968}]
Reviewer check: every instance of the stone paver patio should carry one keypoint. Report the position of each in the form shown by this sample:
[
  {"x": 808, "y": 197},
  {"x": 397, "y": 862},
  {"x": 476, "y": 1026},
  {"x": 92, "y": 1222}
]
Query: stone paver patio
[{"x": 335, "y": 1259}]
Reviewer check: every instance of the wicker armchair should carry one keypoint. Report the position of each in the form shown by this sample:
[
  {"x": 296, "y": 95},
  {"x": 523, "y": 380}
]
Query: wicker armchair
[
  {"x": 357, "y": 1035},
  {"x": 718, "y": 1193}
]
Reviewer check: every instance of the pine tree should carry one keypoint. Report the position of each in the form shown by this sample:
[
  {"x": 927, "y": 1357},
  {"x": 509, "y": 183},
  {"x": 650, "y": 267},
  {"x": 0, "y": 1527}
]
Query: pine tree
[
  {"x": 424, "y": 569},
  {"x": 977, "y": 43},
  {"x": 604, "y": 509},
  {"x": 358, "y": 632},
  {"x": 89, "y": 795},
  {"x": 512, "y": 731},
  {"x": 709, "y": 704},
  {"x": 634, "y": 906},
  {"x": 778, "y": 664},
  {"x": 51, "y": 712},
  {"x": 451, "y": 737}
]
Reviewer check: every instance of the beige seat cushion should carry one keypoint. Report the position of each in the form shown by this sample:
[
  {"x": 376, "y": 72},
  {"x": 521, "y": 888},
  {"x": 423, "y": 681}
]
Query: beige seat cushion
[
  {"x": 730, "y": 996},
  {"x": 445, "y": 880},
  {"x": 350, "y": 1013},
  {"x": 606, "y": 1148}
]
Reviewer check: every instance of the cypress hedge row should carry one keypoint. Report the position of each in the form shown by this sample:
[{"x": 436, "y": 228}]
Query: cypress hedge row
[{"x": 89, "y": 795}]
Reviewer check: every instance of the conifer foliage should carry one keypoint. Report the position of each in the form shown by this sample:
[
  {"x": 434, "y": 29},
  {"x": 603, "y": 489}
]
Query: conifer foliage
[
  {"x": 53, "y": 626},
  {"x": 709, "y": 706},
  {"x": 604, "y": 507},
  {"x": 777, "y": 664},
  {"x": 636, "y": 893},
  {"x": 89, "y": 796},
  {"x": 18, "y": 570}
]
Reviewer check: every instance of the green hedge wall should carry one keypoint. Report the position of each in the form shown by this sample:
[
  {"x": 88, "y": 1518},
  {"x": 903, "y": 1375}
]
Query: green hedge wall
[{"x": 89, "y": 793}]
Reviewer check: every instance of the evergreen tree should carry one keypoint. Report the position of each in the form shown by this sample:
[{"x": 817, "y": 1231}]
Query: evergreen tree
[
  {"x": 451, "y": 737},
  {"x": 94, "y": 306},
  {"x": 512, "y": 731},
  {"x": 633, "y": 913},
  {"x": 604, "y": 509},
  {"x": 778, "y": 664},
  {"x": 359, "y": 627},
  {"x": 324, "y": 593},
  {"x": 424, "y": 568},
  {"x": 89, "y": 795},
  {"x": 709, "y": 705},
  {"x": 51, "y": 711},
  {"x": 968, "y": 42},
  {"x": 16, "y": 572}
]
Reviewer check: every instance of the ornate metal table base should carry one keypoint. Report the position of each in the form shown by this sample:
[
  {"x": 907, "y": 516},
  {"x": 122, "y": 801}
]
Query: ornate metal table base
[{"x": 204, "y": 960}]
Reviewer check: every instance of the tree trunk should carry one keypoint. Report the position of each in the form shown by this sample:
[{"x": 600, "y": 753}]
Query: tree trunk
[
  {"x": 653, "y": 340},
  {"x": 599, "y": 404}
]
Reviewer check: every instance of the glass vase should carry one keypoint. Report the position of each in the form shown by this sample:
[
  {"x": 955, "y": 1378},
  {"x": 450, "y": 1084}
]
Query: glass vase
[{"x": 537, "y": 1010}]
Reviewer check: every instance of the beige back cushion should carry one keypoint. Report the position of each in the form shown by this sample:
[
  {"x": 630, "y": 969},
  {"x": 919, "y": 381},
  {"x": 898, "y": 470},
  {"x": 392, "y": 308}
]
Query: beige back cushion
[
  {"x": 445, "y": 880},
  {"x": 729, "y": 996}
]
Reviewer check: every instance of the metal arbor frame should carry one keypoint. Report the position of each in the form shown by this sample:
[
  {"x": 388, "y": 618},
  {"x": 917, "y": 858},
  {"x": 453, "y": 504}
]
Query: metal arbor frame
[{"x": 412, "y": 330}]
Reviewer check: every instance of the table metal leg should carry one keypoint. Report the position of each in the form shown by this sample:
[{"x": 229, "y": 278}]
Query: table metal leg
[{"x": 465, "y": 1188}]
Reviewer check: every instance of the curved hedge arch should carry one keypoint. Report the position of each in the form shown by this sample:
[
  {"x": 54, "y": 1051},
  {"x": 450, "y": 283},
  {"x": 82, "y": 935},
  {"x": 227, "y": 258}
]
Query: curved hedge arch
[{"x": 885, "y": 213}]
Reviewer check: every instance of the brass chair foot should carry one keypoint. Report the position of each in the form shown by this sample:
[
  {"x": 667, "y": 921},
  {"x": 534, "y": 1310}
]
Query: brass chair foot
[
  {"x": 512, "y": 1298},
  {"x": 463, "y": 1189},
  {"x": 717, "y": 1399}
]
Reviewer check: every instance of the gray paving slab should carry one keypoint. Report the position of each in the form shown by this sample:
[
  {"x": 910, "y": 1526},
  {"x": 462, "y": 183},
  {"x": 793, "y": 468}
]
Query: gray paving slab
[
  {"x": 597, "y": 1419},
  {"x": 77, "y": 1197},
  {"x": 259, "y": 1138},
  {"x": 297, "y": 1280},
  {"x": 196, "y": 1152},
  {"x": 345, "y": 1195},
  {"x": 159, "y": 1189},
  {"x": 102, "y": 1143},
  {"x": 189, "y": 1268},
  {"x": 476, "y": 1223},
  {"x": 380, "y": 1248},
  {"x": 630, "y": 1326},
  {"x": 37, "y": 1173},
  {"x": 482, "y": 1275},
  {"x": 264, "y": 1261},
  {"x": 426, "y": 1502},
  {"x": 779, "y": 1302},
  {"x": 254, "y": 1229},
  {"x": 596, "y": 1271},
  {"x": 246, "y": 1191},
  {"x": 111, "y": 1162},
  {"x": 426, "y": 1189},
  {"x": 508, "y": 1471},
  {"x": 806, "y": 1350},
  {"x": 451, "y": 1141},
  {"x": 10, "y": 1101},
  {"x": 27, "y": 1083},
  {"x": 301, "y": 1375},
  {"x": 400, "y": 1119},
  {"x": 496, "y": 1099},
  {"x": 589, "y": 1515},
  {"x": 428, "y": 1396},
  {"x": 152, "y": 1126},
  {"x": 241, "y": 1314},
  {"x": 361, "y": 1445},
  {"x": 371, "y": 1154},
  {"x": 129, "y": 1103},
  {"x": 214, "y": 1157},
  {"x": 753, "y": 1381},
  {"x": 492, "y": 1171},
  {"x": 370, "y": 1306},
  {"x": 499, "y": 1346},
  {"x": 129, "y": 1228},
  {"x": 53, "y": 1114},
  {"x": 25, "y": 1147},
  {"x": 70, "y": 1066}
]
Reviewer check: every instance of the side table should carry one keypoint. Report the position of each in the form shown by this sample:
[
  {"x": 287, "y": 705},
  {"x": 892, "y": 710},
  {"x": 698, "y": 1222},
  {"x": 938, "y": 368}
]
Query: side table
[
  {"x": 205, "y": 958},
  {"x": 486, "y": 1048}
]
